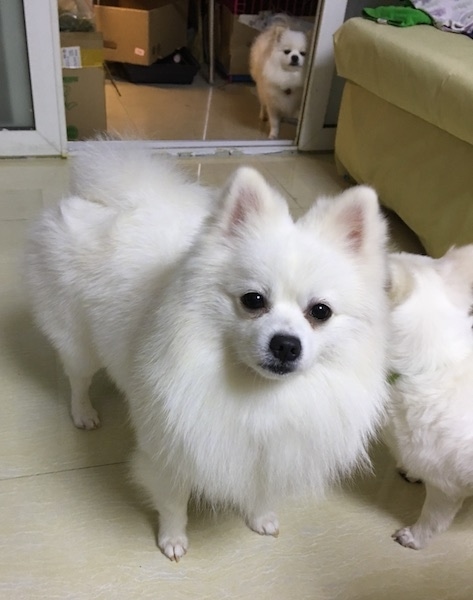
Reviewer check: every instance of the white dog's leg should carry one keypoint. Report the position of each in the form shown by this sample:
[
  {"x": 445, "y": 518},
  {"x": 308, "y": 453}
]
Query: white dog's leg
[
  {"x": 273, "y": 124},
  {"x": 262, "y": 113},
  {"x": 83, "y": 413},
  {"x": 262, "y": 519},
  {"x": 437, "y": 514},
  {"x": 80, "y": 370},
  {"x": 170, "y": 499}
]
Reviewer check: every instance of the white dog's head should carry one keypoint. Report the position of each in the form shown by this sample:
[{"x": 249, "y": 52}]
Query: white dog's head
[
  {"x": 296, "y": 293},
  {"x": 432, "y": 303},
  {"x": 290, "y": 47}
]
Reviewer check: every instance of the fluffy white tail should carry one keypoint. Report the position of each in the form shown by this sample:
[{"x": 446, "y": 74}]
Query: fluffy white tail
[{"x": 120, "y": 174}]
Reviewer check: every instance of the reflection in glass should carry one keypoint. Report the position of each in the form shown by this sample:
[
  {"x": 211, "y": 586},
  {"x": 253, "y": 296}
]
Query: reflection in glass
[{"x": 16, "y": 102}]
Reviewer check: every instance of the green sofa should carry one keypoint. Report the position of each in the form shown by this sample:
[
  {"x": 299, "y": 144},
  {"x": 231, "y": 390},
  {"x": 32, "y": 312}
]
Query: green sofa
[{"x": 406, "y": 124}]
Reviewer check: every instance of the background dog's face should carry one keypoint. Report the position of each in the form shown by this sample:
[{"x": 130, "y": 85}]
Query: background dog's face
[{"x": 291, "y": 47}]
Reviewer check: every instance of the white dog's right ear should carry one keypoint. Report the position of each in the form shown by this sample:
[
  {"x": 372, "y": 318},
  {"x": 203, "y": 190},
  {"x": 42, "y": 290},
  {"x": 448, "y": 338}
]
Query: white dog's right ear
[
  {"x": 248, "y": 195},
  {"x": 352, "y": 219},
  {"x": 277, "y": 32},
  {"x": 457, "y": 263}
]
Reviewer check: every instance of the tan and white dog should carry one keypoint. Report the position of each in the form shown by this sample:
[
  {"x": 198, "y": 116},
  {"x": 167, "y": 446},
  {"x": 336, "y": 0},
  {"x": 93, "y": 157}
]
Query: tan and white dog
[{"x": 277, "y": 60}]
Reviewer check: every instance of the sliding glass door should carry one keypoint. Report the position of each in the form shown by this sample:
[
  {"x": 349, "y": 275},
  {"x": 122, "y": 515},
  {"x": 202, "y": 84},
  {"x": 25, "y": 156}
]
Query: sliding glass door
[{"x": 32, "y": 121}]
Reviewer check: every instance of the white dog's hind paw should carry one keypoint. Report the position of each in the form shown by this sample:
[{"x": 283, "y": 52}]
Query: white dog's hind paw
[
  {"x": 173, "y": 547},
  {"x": 405, "y": 537},
  {"x": 267, "y": 524},
  {"x": 86, "y": 418},
  {"x": 407, "y": 477}
]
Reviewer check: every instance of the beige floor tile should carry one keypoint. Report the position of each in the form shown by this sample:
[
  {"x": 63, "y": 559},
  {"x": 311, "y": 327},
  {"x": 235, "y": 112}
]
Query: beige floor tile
[
  {"x": 304, "y": 179},
  {"x": 224, "y": 111},
  {"x": 20, "y": 204},
  {"x": 85, "y": 534},
  {"x": 33, "y": 177},
  {"x": 12, "y": 238},
  {"x": 234, "y": 114},
  {"x": 72, "y": 526}
]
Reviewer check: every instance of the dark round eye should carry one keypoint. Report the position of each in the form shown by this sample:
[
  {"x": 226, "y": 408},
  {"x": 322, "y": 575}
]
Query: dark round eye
[
  {"x": 321, "y": 312},
  {"x": 303, "y": 53},
  {"x": 287, "y": 51},
  {"x": 253, "y": 301}
]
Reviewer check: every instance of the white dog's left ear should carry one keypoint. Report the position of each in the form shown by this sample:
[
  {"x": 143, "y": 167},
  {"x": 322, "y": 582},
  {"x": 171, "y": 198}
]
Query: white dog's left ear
[
  {"x": 248, "y": 195},
  {"x": 400, "y": 281},
  {"x": 352, "y": 219}
]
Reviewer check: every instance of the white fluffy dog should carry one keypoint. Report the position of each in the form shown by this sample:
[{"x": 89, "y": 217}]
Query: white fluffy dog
[
  {"x": 431, "y": 414},
  {"x": 277, "y": 60},
  {"x": 251, "y": 348}
]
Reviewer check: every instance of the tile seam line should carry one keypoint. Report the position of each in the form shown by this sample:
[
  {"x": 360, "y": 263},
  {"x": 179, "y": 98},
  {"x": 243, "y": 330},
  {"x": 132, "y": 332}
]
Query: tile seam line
[{"x": 2, "y": 479}]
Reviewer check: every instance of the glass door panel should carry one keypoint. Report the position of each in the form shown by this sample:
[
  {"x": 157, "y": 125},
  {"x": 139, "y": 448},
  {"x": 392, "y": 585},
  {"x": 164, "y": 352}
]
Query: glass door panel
[{"x": 32, "y": 121}]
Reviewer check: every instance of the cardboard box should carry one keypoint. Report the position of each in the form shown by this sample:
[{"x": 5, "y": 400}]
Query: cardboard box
[
  {"x": 141, "y": 31},
  {"x": 83, "y": 84},
  {"x": 81, "y": 49},
  {"x": 234, "y": 41},
  {"x": 165, "y": 70}
]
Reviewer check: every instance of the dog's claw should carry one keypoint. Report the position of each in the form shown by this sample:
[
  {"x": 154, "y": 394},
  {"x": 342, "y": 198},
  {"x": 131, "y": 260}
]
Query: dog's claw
[
  {"x": 87, "y": 420},
  {"x": 265, "y": 525},
  {"x": 174, "y": 548},
  {"x": 405, "y": 475},
  {"x": 405, "y": 538}
]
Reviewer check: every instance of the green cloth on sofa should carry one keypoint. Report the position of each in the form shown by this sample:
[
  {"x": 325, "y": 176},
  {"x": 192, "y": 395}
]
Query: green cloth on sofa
[{"x": 399, "y": 16}]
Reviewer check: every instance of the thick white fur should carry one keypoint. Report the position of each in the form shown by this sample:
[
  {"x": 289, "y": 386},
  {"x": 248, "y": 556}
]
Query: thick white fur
[
  {"x": 142, "y": 273},
  {"x": 279, "y": 81},
  {"x": 431, "y": 414}
]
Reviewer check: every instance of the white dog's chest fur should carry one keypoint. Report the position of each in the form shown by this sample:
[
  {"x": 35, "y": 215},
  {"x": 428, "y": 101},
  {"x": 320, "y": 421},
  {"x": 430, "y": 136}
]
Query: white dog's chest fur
[
  {"x": 270, "y": 443},
  {"x": 283, "y": 88}
]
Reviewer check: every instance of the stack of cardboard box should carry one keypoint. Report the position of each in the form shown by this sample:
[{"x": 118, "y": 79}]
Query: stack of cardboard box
[
  {"x": 141, "y": 31},
  {"x": 83, "y": 82},
  {"x": 129, "y": 31}
]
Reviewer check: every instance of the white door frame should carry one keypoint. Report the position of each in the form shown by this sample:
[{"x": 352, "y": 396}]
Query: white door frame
[
  {"x": 49, "y": 138},
  {"x": 313, "y": 134}
]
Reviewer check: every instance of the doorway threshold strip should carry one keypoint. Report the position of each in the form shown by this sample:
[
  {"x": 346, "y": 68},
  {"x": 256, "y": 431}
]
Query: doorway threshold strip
[{"x": 200, "y": 148}]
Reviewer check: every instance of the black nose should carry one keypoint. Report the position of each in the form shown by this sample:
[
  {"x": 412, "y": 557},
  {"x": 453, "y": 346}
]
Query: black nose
[
  {"x": 294, "y": 59},
  {"x": 285, "y": 348}
]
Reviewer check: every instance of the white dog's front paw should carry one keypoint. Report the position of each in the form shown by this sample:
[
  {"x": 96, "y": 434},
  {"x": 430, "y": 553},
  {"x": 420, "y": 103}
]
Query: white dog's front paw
[
  {"x": 174, "y": 547},
  {"x": 406, "y": 538},
  {"x": 86, "y": 418},
  {"x": 267, "y": 524}
]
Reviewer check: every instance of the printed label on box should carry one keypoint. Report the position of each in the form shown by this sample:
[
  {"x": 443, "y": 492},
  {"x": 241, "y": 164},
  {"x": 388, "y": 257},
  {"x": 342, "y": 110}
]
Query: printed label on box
[
  {"x": 71, "y": 58},
  {"x": 139, "y": 52}
]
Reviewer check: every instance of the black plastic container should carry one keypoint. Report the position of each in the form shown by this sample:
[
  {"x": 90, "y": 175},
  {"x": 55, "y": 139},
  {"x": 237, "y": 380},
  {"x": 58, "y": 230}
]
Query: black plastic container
[{"x": 180, "y": 67}]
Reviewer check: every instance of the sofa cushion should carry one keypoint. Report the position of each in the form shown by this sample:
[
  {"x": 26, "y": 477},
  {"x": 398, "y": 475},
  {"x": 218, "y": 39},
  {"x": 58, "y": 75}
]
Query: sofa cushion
[{"x": 420, "y": 69}]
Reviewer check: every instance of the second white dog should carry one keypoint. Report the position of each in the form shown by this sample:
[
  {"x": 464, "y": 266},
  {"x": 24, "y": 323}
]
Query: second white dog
[{"x": 431, "y": 411}]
